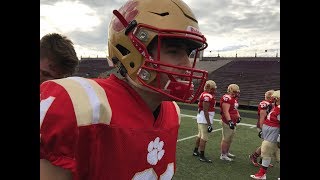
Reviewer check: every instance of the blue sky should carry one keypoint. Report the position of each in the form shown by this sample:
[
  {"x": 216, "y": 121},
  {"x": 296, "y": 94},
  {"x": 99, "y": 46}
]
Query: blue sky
[{"x": 244, "y": 27}]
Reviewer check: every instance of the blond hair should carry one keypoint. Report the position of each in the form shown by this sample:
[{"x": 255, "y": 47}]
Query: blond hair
[{"x": 276, "y": 94}]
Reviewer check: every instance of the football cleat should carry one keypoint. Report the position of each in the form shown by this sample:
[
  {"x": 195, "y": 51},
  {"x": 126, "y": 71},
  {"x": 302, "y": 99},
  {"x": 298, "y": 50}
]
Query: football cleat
[
  {"x": 204, "y": 159},
  {"x": 231, "y": 155},
  {"x": 196, "y": 153},
  {"x": 261, "y": 174},
  {"x": 225, "y": 158},
  {"x": 255, "y": 176}
]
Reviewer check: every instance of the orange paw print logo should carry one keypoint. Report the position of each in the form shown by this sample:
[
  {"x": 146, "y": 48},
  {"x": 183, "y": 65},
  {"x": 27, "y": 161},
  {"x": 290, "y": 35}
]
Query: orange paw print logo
[{"x": 128, "y": 11}]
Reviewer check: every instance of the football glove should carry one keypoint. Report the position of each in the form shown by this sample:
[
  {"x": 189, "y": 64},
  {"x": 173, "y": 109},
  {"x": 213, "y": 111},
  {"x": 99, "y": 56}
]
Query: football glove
[
  {"x": 231, "y": 124},
  {"x": 260, "y": 134},
  {"x": 210, "y": 128},
  {"x": 239, "y": 119}
]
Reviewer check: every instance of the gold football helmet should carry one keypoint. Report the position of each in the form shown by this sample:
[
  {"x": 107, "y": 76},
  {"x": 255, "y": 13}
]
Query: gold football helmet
[
  {"x": 276, "y": 95},
  {"x": 210, "y": 84},
  {"x": 268, "y": 94},
  {"x": 136, "y": 25},
  {"x": 234, "y": 89}
]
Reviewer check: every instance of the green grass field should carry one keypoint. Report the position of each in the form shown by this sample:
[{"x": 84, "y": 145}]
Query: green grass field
[{"x": 244, "y": 143}]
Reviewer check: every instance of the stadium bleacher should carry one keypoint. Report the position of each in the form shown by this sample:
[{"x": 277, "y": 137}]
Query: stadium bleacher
[
  {"x": 254, "y": 75},
  {"x": 92, "y": 67}
]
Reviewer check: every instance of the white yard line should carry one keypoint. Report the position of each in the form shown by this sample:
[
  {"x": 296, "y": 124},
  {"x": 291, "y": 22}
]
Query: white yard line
[
  {"x": 195, "y": 135},
  {"x": 194, "y": 117}
]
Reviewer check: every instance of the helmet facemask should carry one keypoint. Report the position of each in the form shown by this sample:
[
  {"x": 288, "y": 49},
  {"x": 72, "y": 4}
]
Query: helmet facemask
[{"x": 182, "y": 83}]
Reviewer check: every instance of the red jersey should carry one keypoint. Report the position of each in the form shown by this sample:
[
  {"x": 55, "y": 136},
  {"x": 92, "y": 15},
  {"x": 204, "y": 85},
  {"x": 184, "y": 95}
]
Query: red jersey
[
  {"x": 273, "y": 118},
  {"x": 263, "y": 105},
  {"x": 207, "y": 97},
  {"x": 101, "y": 129},
  {"x": 233, "y": 110}
]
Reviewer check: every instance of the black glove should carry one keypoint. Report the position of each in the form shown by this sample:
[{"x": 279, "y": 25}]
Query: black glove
[
  {"x": 239, "y": 119},
  {"x": 260, "y": 134},
  {"x": 231, "y": 124},
  {"x": 210, "y": 128}
]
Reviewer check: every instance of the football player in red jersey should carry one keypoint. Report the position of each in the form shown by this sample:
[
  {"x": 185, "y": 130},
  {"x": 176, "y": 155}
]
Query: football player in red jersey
[
  {"x": 206, "y": 111},
  {"x": 270, "y": 135},
  {"x": 58, "y": 58},
  {"x": 125, "y": 128},
  {"x": 230, "y": 117},
  {"x": 264, "y": 108}
]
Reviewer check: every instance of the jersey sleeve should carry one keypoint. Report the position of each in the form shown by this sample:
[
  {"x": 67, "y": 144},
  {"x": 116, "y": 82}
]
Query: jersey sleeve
[
  {"x": 207, "y": 98},
  {"x": 263, "y": 105},
  {"x": 226, "y": 99},
  {"x": 58, "y": 126}
]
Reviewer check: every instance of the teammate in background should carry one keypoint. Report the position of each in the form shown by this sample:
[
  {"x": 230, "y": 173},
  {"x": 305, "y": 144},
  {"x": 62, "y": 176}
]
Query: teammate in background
[
  {"x": 98, "y": 129},
  {"x": 271, "y": 137},
  {"x": 264, "y": 108},
  {"x": 206, "y": 111},
  {"x": 230, "y": 117},
  {"x": 58, "y": 58}
]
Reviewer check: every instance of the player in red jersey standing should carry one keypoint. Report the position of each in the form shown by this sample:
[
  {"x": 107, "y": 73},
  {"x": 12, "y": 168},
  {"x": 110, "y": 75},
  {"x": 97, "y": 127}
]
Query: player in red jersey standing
[
  {"x": 264, "y": 108},
  {"x": 206, "y": 111},
  {"x": 125, "y": 128},
  {"x": 229, "y": 118},
  {"x": 271, "y": 137}
]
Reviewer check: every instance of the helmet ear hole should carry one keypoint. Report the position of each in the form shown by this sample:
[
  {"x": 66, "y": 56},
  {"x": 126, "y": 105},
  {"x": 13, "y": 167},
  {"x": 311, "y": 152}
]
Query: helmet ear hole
[
  {"x": 124, "y": 51},
  {"x": 132, "y": 64}
]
